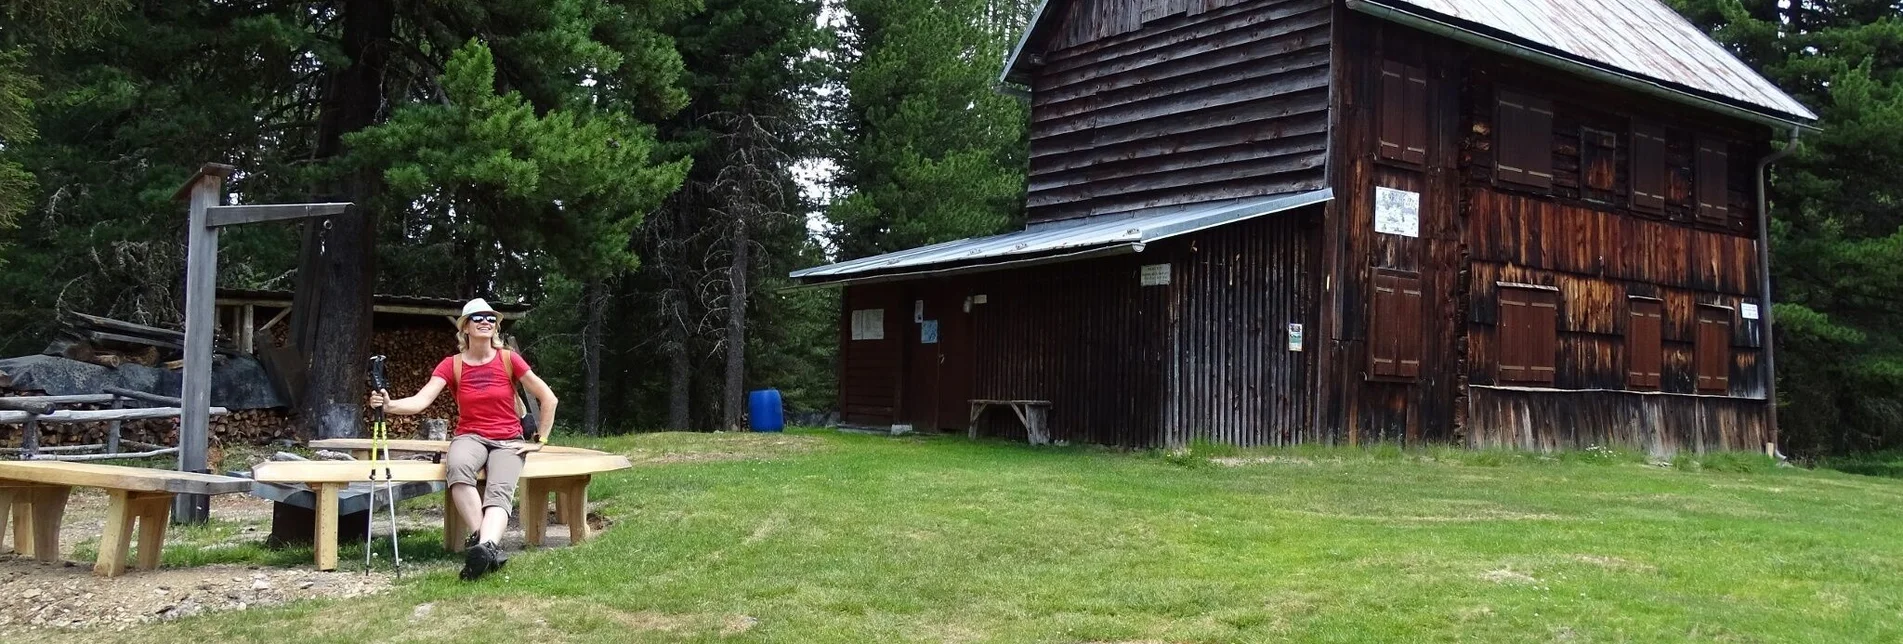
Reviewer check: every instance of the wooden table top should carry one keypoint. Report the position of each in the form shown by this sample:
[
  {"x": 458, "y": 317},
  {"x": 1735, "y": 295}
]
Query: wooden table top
[
  {"x": 120, "y": 477},
  {"x": 540, "y": 465},
  {"x": 414, "y": 445}
]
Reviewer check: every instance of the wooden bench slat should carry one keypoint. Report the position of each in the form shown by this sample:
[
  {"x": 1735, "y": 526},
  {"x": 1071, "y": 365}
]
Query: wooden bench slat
[
  {"x": 537, "y": 466},
  {"x": 119, "y": 477},
  {"x": 418, "y": 445}
]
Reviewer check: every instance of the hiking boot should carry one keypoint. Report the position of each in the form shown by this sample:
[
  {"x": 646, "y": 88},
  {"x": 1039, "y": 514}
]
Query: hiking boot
[
  {"x": 479, "y": 560},
  {"x": 471, "y": 541}
]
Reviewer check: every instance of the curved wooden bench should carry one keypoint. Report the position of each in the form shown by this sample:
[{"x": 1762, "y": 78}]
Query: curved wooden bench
[
  {"x": 36, "y": 491},
  {"x": 566, "y": 474}
]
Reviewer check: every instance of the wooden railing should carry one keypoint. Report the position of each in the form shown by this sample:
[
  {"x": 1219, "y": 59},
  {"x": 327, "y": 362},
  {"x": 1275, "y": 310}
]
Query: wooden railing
[{"x": 30, "y": 411}]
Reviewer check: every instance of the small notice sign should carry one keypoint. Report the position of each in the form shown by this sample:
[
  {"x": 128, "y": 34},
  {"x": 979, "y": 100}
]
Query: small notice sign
[
  {"x": 1748, "y": 310},
  {"x": 928, "y": 332},
  {"x": 1294, "y": 337},
  {"x": 1156, "y": 275},
  {"x": 1397, "y": 212},
  {"x": 918, "y": 310}
]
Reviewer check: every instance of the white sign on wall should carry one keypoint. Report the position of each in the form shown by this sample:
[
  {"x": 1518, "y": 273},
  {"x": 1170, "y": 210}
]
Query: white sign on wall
[
  {"x": 918, "y": 310},
  {"x": 868, "y": 324},
  {"x": 1294, "y": 337},
  {"x": 1397, "y": 212},
  {"x": 1748, "y": 310},
  {"x": 1155, "y": 275}
]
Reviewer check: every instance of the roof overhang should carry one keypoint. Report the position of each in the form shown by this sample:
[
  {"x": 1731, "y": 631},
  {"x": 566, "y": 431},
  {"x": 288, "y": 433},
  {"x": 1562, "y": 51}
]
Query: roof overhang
[
  {"x": 1091, "y": 238},
  {"x": 1492, "y": 40}
]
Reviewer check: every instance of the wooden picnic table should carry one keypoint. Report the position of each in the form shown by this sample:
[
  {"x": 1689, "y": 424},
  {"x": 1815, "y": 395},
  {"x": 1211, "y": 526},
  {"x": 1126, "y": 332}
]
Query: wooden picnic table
[
  {"x": 565, "y": 473},
  {"x": 36, "y": 492}
]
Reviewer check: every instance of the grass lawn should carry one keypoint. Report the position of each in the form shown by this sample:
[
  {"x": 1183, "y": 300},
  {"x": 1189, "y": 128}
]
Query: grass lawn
[{"x": 823, "y": 537}]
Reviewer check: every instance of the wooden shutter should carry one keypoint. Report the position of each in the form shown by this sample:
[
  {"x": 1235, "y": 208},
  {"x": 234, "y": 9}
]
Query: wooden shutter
[
  {"x": 1645, "y": 352},
  {"x": 1403, "y": 103},
  {"x": 1714, "y": 191},
  {"x": 1394, "y": 336},
  {"x": 1529, "y": 334},
  {"x": 1523, "y": 141},
  {"x": 1598, "y": 161},
  {"x": 1713, "y": 349},
  {"x": 1648, "y": 168}
]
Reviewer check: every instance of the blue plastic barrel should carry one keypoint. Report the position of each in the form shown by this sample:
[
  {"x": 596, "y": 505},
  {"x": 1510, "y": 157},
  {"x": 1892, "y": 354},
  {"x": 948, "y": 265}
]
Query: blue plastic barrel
[{"x": 764, "y": 411}]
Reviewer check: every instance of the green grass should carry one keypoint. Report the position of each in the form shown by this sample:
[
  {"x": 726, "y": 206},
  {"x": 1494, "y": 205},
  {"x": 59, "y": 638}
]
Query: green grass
[{"x": 821, "y": 537}]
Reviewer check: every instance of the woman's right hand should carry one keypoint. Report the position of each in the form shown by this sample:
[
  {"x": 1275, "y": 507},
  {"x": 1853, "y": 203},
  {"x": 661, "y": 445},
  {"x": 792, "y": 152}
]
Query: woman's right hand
[{"x": 378, "y": 398}]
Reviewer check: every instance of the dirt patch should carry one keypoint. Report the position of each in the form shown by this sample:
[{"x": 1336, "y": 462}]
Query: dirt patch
[
  {"x": 67, "y": 595},
  {"x": 727, "y": 446},
  {"x": 1507, "y": 576},
  {"x": 1615, "y": 563}
]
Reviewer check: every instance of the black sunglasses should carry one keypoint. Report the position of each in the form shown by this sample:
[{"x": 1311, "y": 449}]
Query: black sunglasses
[{"x": 484, "y": 318}]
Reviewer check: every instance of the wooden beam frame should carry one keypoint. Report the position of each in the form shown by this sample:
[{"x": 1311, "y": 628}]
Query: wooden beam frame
[{"x": 220, "y": 216}]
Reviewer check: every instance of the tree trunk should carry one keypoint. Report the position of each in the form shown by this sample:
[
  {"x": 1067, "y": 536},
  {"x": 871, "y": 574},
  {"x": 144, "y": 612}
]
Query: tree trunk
[
  {"x": 595, "y": 296},
  {"x": 333, "y": 401},
  {"x": 737, "y": 327},
  {"x": 680, "y": 366}
]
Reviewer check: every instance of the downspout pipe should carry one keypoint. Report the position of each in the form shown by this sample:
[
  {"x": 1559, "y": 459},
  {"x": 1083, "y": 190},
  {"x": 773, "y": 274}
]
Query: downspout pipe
[{"x": 1764, "y": 285}]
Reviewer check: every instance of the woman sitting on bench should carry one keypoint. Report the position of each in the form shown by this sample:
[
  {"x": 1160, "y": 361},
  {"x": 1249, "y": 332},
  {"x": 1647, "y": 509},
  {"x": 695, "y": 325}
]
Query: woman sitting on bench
[{"x": 492, "y": 432}]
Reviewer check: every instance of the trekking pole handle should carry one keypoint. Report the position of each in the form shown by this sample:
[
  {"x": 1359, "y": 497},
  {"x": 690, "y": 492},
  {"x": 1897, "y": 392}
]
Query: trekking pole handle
[{"x": 377, "y": 380}]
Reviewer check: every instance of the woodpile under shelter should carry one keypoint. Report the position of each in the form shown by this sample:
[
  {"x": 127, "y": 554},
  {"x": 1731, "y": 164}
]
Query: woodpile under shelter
[{"x": 1528, "y": 223}]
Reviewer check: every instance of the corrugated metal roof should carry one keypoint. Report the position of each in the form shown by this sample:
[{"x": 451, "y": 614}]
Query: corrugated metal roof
[
  {"x": 1063, "y": 239},
  {"x": 1642, "y": 37}
]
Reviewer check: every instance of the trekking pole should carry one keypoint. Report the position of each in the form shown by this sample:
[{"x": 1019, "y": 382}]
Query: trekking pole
[{"x": 380, "y": 441}]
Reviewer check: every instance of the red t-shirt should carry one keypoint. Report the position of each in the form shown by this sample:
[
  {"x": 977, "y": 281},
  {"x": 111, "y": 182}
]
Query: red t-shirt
[{"x": 485, "y": 399}]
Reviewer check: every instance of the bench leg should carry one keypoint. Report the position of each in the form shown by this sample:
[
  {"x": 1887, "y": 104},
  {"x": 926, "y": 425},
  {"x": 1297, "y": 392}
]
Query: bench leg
[
  {"x": 37, "y": 530},
  {"x": 454, "y": 529},
  {"x": 571, "y": 504},
  {"x": 155, "y": 512},
  {"x": 117, "y": 538},
  {"x": 324, "y": 539},
  {"x": 6, "y": 514},
  {"x": 533, "y": 509}
]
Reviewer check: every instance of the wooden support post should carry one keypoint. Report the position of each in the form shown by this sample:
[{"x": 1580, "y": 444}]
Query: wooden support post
[
  {"x": 37, "y": 531},
  {"x": 116, "y": 541},
  {"x": 30, "y": 437},
  {"x": 6, "y": 513},
  {"x": 154, "y": 512},
  {"x": 247, "y": 334},
  {"x": 325, "y": 538},
  {"x": 534, "y": 510},
  {"x": 572, "y": 504},
  {"x": 454, "y": 528},
  {"x": 21, "y": 511},
  {"x": 112, "y": 431},
  {"x": 201, "y": 311}
]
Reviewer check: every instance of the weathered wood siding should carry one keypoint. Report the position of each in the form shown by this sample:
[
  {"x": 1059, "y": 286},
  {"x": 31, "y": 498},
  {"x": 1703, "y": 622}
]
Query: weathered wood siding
[
  {"x": 1581, "y": 235},
  {"x": 1086, "y": 336},
  {"x": 1145, "y": 103},
  {"x": 1235, "y": 291},
  {"x": 871, "y": 382}
]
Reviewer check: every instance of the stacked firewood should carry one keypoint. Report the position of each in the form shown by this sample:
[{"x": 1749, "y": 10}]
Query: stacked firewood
[
  {"x": 411, "y": 356},
  {"x": 240, "y": 427},
  {"x": 109, "y": 342}
]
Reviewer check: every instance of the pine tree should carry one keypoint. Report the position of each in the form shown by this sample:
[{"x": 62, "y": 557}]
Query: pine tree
[{"x": 929, "y": 150}]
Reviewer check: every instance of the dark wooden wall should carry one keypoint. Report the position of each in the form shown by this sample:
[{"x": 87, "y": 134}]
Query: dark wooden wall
[
  {"x": 871, "y": 382},
  {"x": 1235, "y": 291},
  {"x": 1145, "y": 103},
  {"x": 1590, "y": 244}
]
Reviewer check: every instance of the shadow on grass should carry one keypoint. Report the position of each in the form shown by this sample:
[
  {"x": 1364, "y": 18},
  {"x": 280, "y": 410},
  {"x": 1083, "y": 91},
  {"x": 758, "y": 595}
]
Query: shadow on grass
[
  {"x": 216, "y": 544},
  {"x": 1887, "y": 464}
]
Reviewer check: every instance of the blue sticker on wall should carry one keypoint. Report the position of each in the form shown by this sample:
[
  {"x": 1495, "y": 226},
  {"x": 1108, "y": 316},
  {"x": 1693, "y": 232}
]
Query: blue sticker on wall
[{"x": 928, "y": 332}]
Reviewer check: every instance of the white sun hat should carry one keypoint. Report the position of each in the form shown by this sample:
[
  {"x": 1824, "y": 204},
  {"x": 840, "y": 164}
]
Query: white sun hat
[{"x": 475, "y": 306}]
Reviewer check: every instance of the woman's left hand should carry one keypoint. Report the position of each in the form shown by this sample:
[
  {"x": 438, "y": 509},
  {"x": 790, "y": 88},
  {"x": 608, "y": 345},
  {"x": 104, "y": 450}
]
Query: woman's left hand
[{"x": 524, "y": 447}]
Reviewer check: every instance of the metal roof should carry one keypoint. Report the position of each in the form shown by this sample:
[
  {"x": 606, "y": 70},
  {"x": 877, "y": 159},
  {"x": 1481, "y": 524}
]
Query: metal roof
[
  {"x": 1643, "y": 44},
  {"x": 1642, "y": 37},
  {"x": 1057, "y": 241}
]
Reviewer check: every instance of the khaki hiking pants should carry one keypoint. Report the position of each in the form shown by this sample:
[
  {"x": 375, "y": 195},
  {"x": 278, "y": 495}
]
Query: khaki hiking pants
[{"x": 470, "y": 454}]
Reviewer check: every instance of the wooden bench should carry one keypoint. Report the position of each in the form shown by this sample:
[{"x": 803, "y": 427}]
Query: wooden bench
[
  {"x": 565, "y": 473},
  {"x": 1035, "y": 414},
  {"x": 36, "y": 491}
]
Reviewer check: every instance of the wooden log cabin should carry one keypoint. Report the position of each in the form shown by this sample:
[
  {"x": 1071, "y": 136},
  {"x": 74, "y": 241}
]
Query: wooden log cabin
[{"x": 1524, "y": 223}]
